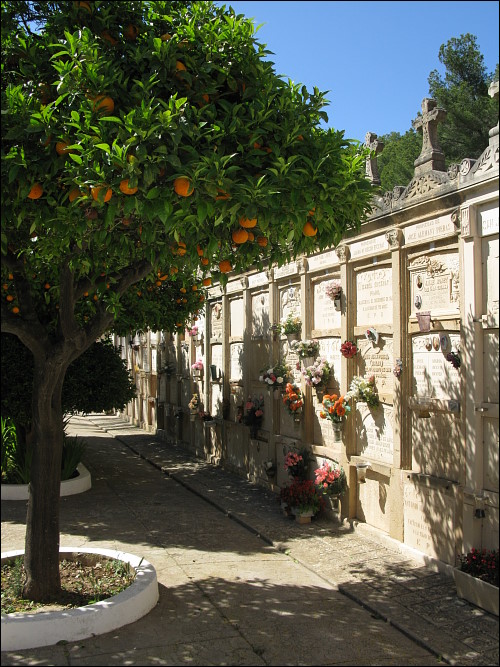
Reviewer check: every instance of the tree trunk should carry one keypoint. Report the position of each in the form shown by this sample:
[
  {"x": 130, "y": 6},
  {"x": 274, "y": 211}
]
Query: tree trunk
[{"x": 41, "y": 557}]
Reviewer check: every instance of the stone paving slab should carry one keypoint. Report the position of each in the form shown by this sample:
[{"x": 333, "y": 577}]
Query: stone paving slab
[{"x": 239, "y": 581}]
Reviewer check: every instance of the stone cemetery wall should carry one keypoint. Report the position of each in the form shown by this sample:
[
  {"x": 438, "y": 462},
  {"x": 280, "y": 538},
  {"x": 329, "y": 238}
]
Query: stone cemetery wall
[{"x": 419, "y": 298}]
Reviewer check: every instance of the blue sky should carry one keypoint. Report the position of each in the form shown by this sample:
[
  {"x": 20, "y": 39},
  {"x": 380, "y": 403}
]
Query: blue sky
[{"x": 373, "y": 57}]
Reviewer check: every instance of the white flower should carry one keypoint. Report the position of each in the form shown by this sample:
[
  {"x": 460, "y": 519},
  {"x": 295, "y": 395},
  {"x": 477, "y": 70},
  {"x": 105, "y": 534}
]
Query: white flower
[
  {"x": 270, "y": 370},
  {"x": 279, "y": 380},
  {"x": 269, "y": 381}
]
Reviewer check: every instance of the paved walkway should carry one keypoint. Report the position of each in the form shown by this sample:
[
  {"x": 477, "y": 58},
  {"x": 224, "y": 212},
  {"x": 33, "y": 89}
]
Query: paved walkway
[{"x": 240, "y": 584}]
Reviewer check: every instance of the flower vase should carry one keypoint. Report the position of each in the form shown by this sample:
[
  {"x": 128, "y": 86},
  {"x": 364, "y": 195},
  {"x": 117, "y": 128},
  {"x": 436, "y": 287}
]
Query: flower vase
[
  {"x": 296, "y": 420},
  {"x": 337, "y": 431},
  {"x": 320, "y": 392},
  {"x": 307, "y": 361},
  {"x": 292, "y": 337},
  {"x": 302, "y": 516},
  {"x": 276, "y": 393}
]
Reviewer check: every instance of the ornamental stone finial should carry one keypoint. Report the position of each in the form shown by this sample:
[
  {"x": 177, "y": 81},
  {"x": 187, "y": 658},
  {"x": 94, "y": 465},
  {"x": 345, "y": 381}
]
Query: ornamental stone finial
[
  {"x": 376, "y": 147},
  {"x": 493, "y": 92},
  {"x": 432, "y": 157}
]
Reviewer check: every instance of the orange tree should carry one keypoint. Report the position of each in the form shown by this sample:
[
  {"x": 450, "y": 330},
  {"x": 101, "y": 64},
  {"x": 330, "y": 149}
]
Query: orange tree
[{"x": 138, "y": 140}]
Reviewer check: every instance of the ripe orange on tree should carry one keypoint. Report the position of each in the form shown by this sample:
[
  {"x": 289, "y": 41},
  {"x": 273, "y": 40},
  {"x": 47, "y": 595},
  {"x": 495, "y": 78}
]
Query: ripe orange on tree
[
  {"x": 180, "y": 67},
  {"x": 85, "y": 6},
  {"x": 205, "y": 261},
  {"x": 36, "y": 191},
  {"x": 15, "y": 310},
  {"x": 222, "y": 195},
  {"x": 183, "y": 186},
  {"x": 207, "y": 282},
  {"x": 166, "y": 37},
  {"x": 131, "y": 32},
  {"x": 97, "y": 188},
  {"x": 61, "y": 148},
  {"x": 262, "y": 241},
  {"x": 75, "y": 193},
  {"x": 240, "y": 236},
  {"x": 309, "y": 230},
  {"x": 225, "y": 266},
  {"x": 251, "y": 236},
  {"x": 103, "y": 103},
  {"x": 9, "y": 297},
  {"x": 124, "y": 187},
  {"x": 199, "y": 250},
  {"x": 108, "y": 38},
  {"x": 248, "y": 223}
]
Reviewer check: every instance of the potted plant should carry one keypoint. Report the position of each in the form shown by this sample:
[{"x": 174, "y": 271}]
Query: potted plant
[
  {"x": 333, "y": 290},
  {"x": 254, "y": 414},
  {"x": 307, "y": 350},
  {"x": 363, "y": 390},
  {"x": 318, "y": 374},
  {"x": 276, "y": 376},
  {"x": 336, "y": 409},
  {"x": 476, "y": 578},
  {"x": 293, "y": 400},
  {"x": 304, "y": 499}
]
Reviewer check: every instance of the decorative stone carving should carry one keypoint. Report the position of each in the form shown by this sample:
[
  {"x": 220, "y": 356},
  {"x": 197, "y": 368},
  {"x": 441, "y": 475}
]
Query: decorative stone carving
[
  {"x": 342, "y": 253},
  {"x": 375, "y": 147},
  {"x": 421, "y": 185},
  {"x": 432, "y": 157},
  {"x": 393, "y": 238}
]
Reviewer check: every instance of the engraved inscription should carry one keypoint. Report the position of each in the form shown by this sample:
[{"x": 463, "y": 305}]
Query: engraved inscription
[
  {"x": 237, "y": 318},
  {"x": 325, "y": 315},
  {"x": 374, "y": 297}
]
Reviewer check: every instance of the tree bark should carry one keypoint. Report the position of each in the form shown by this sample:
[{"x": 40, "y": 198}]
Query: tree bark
[{"x": 41, "y": 558}]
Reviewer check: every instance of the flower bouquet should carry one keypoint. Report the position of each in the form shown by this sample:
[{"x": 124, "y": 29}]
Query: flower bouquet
[
  {"x": 293, "y": 400},
  {"x": 193, "y": 406},
  {"x": 333, "y": 289},
  {"x": 318, "y": 373},
  {"x": 454, "y": 359},
  {"x": 193, "y": 331},
  {"x": 364, "y": 391},
  {"x": 330, "y": 478},
  {"x": 335, "y": 408},
  {"x": 348, "y": 349},
  {"x": 254, "y": 414},
  {"x": 291, "y": 325},
  {"x": 197, "y": 366},
  {"x": 296, "y": 464},
  {"x": 305, "y": 348},
  {"x": 276, "y": 376}
]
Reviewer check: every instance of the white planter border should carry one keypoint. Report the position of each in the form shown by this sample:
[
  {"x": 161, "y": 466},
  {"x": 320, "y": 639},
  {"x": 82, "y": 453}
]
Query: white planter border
[
  {"x": 23, "y": 630},
  {"x": 69, "y": 487}
]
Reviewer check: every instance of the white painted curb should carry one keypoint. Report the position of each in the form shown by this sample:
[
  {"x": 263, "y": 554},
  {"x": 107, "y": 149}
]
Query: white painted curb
[
  {"x": 69, "y": 487},
  {"x": 22, "y": 630}
]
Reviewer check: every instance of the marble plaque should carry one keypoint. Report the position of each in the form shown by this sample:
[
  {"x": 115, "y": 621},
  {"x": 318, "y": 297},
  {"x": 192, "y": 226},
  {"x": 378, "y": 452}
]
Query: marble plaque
[
  {"x": 153, "y": 360},
  {"x": 373, "y": 503},
  {"x": 429, "y": 230},
  {"x": 490, "y": 280},
  {"x": 329, "y": 348},
  {"x": 237, "y": 318},
  {"x": 437, "y": 444},
  {"x": 286, "y": 270},
  {"x": 433, "y": 375},
  {"x": 488, "y": 219},
  {"x": 429, "y": 521},
  {"x": 320, "y": 261},
  {"x": 260, "y": 314},
  {"x": 374, "y": 297},
  {"x": 217, "y": 357},
  {"x": 325, "y": 315},
  {"x": 377, "y": 360},
  {"x": 374, "y": 431},
  {"x": 435, "y": 283},
  {"x": 371, "y": 246},
  {"x": 185, "y": 363},
  {"x": 236, "y": 361},
  {"x": 216, "y": 320},
  {"x": 258, "y": 279},
  {"x": 216, "y": 400},
  {"x": 289, "y": 299},
  {"x": 491, "y": 365}
]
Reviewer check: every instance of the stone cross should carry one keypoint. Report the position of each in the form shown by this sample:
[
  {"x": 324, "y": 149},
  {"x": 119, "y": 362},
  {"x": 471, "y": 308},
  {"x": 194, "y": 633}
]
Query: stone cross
[
  {"x": 376, "y": 147},
  {"x": 432, "y": 157}
]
